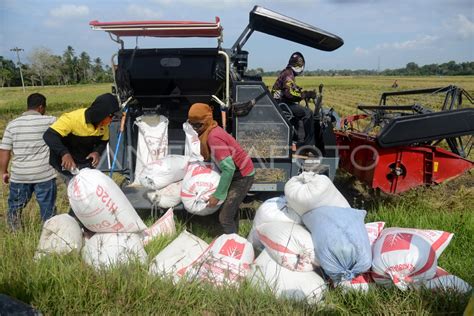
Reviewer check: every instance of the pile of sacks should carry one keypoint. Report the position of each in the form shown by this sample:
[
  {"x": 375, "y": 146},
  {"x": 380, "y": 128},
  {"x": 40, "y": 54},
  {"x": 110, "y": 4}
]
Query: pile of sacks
[
  {"x": 174, "y": 179},
  {"x": 307, "y": 241},
  {"x": 120, "y": 236},
  {"x": 102, "y": 208},
  {"x": 226, "y": 261},
  {"x": 100, "y": 205},
  {"x": 313, "y": 229}
]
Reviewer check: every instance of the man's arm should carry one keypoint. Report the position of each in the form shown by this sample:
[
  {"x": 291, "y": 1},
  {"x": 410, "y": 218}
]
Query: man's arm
[
  {"x": 227, "y": 167},
  {"x": 56, "y": 146},
  {"x": 4, "y": 160},
  {"x": 100, "y": 147},
  {"x": 54, "y": 142},
  {"x": 291, "y": 91},
  {"x": 95, "y": 155}
]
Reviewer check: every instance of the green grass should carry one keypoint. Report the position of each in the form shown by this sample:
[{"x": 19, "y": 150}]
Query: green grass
[
  {"x": 59, "y": 99},
  {"x": 66, "y": 285}
]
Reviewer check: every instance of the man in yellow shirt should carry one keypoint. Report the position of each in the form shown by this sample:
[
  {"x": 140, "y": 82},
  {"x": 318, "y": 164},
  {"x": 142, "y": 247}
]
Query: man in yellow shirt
[{"x": 78, "y": 138}]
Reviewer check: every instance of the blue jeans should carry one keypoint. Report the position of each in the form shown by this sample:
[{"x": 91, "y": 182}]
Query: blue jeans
[{"x": 20, "y": 195}]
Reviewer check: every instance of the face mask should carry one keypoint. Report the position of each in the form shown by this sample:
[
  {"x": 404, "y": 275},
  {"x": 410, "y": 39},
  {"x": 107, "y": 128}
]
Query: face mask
[
  {"x": 196, "y": 126},
  {"x": 298, "y": 70}
]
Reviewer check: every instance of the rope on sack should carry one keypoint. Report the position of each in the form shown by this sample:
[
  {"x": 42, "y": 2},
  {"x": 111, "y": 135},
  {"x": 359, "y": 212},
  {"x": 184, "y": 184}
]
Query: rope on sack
[
  {"x": 197, "y": 199},
  {"x": 156, "y": 210}
]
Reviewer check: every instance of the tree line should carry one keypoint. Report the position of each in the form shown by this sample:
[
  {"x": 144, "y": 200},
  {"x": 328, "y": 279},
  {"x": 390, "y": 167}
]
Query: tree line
[
  {"x": 450, "y": 68},
  {"x": 45, "y": 68}
]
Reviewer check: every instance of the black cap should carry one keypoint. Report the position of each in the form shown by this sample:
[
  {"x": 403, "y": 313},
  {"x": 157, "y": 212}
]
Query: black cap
[{"x": 104, "y": 105}]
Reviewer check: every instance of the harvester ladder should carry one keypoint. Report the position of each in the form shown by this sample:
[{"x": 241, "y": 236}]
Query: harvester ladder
[{"x": 428, "y": 167}]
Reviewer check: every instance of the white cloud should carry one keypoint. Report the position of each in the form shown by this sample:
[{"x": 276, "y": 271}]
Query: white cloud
[
  {"x": 69, "y": 11},
  {"x": 420, "y": 42},
  {"x": 361, "y": 51},
  {"x": 143, "y": 12},
  {"x": 462, "y": 26}
]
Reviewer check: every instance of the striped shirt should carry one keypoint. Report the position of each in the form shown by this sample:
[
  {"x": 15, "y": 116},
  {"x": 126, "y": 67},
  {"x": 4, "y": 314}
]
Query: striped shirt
[{"x": 24, "y": 138}]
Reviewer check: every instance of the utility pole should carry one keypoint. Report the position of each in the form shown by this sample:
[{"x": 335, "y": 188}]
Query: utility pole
[
  {"x": 378, "y": 65},
  {"x": 17, "y": 50}
]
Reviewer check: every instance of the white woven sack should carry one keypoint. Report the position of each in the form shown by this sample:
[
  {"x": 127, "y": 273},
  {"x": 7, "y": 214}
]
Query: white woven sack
[
  {"x": 199, "y": 183},
  {"x": 225, "y": 262},
  {"x": 169, "y": 196},
  {"x": 152, "y": 143},
  {"x": 310, "y": 190},
  {"x": 443, "y": 281},
  {"x": 405, "y": 256},
  {"x": 268, "y": 275},
  {"x": 112, "y": 249},
  {"x": 61, "y": 234},
  {"x": 164, "y": 171},
  {"x": 374, "y": 230},
  {"x": 164, "y": 226},
  {"x": 178, "y": 255},
  {"x": 100, "y": 204},
  {"x": 289, "y": 244},
  {"x": 272, "y": 210},
  {"x": 192, "y": 145}
]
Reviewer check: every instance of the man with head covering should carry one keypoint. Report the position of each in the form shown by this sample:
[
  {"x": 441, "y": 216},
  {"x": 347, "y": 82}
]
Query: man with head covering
[
  {"x": 78, "y": 138},
  {"x": 285, "y": 90},
  {"x": 237, "y": 170}
]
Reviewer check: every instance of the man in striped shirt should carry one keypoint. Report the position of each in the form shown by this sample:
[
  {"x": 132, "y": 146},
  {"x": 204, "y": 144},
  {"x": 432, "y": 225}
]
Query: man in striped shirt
[{"x": 30, "y": 169}]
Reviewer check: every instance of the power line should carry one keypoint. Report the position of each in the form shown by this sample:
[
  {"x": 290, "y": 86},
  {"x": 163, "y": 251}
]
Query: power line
[{"x": 17, "y": 50}]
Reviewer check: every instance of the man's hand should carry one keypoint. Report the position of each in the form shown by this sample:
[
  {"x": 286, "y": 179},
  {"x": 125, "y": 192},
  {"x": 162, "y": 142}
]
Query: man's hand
[
  {"x": 6, "y": 177},
  {"x": 308, "y": 94},
  {"x": 212, "y": 202},
  {"x": 68, "y": 163},
  {"x": 95, "y": 158}
]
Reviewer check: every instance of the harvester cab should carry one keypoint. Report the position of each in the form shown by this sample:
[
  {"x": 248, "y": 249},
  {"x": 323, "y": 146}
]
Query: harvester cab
[{"x": 156, "y": 82}]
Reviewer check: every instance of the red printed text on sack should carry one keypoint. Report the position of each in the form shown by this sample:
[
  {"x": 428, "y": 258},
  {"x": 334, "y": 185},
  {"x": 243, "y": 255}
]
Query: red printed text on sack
[
  {"x": 201, "y": 170},
  {"x": 106, "y": 199},
  {"x": 400, "y": 267},
  {"x": 117, "y": 227},
  {"x": 99, "y": 226}
]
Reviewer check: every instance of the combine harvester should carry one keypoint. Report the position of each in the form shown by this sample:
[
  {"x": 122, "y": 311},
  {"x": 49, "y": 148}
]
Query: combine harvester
[
  {"x": 167, "y": 81},
  {"x": 397, "y": 147}
]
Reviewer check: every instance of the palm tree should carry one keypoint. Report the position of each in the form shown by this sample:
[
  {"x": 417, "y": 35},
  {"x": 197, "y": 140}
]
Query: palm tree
[
  {"x": 70, "y": 62},
  {"x": 84, "y": 64}
]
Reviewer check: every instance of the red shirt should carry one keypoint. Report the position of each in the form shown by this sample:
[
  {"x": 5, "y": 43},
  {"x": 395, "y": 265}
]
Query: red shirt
[{"x": 223, "y": 145}]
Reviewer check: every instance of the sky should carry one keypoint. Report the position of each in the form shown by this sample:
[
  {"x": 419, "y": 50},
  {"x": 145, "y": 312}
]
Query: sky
[{"x": 377, "y": 34}]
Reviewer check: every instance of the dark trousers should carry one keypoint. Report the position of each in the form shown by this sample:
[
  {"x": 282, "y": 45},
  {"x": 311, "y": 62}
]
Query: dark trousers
[
  {"x": 229, "y": 213},
  {"x": 304, "y": 124},
  {"x": 20, "y": 195}
]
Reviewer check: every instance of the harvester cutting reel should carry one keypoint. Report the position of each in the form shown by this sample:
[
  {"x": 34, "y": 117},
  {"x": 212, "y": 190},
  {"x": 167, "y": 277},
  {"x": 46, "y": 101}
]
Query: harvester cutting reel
[{"x": 396, "y": 148}]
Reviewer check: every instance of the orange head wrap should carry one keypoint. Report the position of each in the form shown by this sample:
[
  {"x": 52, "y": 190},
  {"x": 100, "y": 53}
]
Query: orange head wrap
[{"x": 202, "y": 113}]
